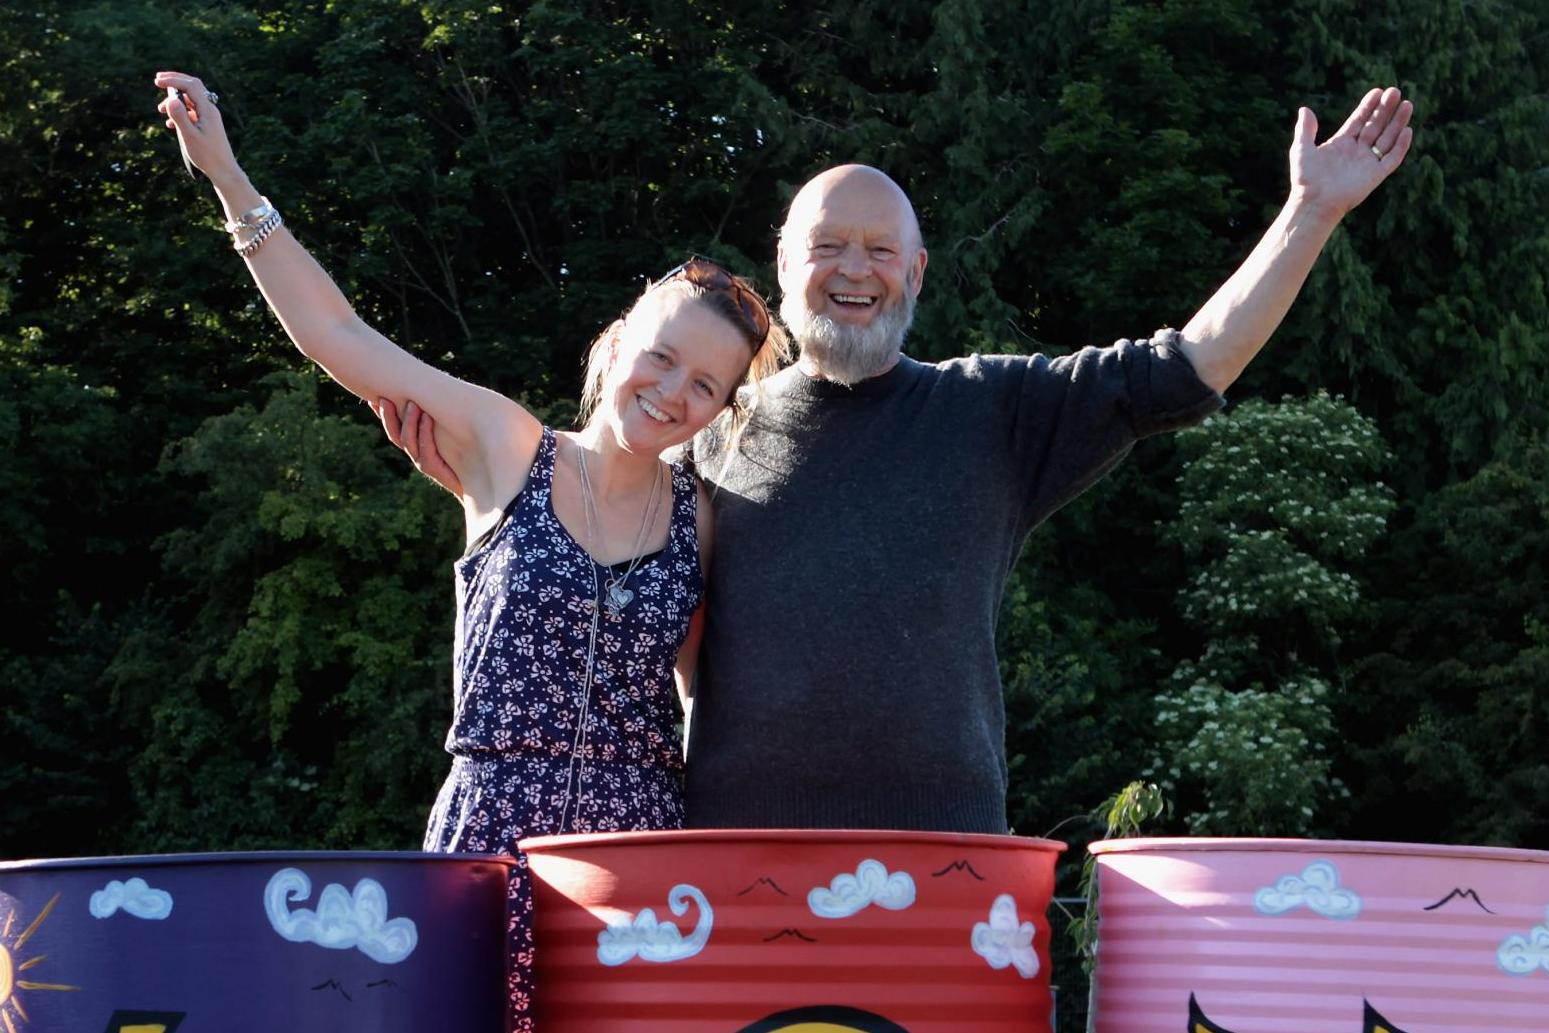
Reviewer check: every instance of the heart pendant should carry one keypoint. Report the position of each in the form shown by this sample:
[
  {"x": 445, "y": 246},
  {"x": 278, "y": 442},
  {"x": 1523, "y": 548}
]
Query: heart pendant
[{"x": 619, "y": 596}]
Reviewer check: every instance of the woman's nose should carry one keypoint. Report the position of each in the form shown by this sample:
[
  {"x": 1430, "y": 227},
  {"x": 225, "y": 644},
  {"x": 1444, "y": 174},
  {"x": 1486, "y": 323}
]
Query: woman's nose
[{"x": 672, "y": 384}]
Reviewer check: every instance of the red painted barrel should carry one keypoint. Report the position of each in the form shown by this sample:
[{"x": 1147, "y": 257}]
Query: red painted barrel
[
  {"x": 1309, "y": 936},
  {"x": 730, "y": 931}
]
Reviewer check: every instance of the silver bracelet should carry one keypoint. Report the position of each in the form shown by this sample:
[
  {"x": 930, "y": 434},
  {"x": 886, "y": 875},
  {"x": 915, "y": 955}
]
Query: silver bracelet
[
  {"x": 251, "y": 218},
  {"x": 261, "y": 234}
]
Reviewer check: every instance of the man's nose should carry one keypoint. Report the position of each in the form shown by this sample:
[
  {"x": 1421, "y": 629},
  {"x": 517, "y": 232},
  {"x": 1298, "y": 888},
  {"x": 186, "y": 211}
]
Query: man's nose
[{"x": 855, "y": 262}]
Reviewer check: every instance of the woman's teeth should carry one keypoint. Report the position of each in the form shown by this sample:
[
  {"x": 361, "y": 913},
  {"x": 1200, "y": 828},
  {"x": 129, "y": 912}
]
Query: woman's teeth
[{"x": 653, "y": 412}]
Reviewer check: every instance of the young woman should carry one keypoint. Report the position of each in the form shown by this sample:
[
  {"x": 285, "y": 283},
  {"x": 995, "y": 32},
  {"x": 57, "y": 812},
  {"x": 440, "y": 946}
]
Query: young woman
[{"x": 578, "y": 598}]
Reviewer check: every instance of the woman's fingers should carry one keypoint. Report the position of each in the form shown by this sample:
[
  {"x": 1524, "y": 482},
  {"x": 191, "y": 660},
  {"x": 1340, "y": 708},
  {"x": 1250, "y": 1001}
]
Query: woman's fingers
[
  {"x": 177, "y": 111},
  {"x": 178, "y": 80},
  {"x": 194, "y": 92},
  {"x": 190, "y": 109}
]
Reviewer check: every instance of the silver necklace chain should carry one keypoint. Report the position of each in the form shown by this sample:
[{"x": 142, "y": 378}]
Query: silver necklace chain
[
  {"x": 618, "y": 593},
  {"x": 621, "y": 598}
]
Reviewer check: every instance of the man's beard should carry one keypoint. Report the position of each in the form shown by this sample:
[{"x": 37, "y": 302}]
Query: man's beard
[{"x": 848, "y": 354}]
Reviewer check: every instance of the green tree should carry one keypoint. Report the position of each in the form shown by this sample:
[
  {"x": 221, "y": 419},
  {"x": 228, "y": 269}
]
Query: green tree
[
  {"x": 1276, "y": 502},
  {"x": 1447, "y": 710},
  {"x": 311, "y": 675}
]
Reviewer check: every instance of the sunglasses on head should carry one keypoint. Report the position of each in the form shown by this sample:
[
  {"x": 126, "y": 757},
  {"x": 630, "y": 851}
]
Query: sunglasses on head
[{"x": 710, "y": 276}]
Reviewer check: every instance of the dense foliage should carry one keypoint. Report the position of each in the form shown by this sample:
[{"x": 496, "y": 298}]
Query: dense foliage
[{"x": 227, "y": 603}]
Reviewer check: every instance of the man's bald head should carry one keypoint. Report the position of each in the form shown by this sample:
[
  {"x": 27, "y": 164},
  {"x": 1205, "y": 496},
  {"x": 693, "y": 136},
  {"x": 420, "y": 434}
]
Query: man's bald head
[
  {"x": 851, "y": 192},
  {"x": 851, "y": 264}
]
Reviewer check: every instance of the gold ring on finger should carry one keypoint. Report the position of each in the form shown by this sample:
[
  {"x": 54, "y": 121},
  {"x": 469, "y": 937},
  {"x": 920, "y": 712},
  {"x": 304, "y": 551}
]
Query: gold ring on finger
[{"x": 1377, "y": 151}]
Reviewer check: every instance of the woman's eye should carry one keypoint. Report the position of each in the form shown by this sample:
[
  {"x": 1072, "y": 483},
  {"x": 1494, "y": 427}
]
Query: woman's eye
[
  {"x": 705, "y": 388},
  {"x": 660, "y": 357}
]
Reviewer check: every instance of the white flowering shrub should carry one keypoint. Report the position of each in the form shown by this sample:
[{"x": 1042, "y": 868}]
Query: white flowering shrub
[{"x": 1276, "y": 501}]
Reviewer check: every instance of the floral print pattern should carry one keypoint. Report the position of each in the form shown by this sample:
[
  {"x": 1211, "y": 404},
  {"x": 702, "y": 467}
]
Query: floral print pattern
[{"x": 523, "y": 765}]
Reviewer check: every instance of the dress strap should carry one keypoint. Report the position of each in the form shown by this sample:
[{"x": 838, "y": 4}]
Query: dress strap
[
  {"x": 540, "y": 477},
  {"x": 542, "y": 473},
  {"x": 685, "y": 506}
]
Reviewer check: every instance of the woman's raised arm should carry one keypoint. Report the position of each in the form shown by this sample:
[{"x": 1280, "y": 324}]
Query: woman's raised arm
[{"x": 482, "y": 434}]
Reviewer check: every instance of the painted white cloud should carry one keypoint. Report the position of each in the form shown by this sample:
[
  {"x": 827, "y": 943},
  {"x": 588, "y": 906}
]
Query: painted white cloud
[
  {"x": 1317, "y": 887},
  {"x": 1524, "y": 955},
  {"x": 651, "y": 940},
  {"x": 133, "y": 896},
  {"x": 871, "y": 884},
  {"x": 342, "y": 920},
  {"x": 1004, "y": 940}
]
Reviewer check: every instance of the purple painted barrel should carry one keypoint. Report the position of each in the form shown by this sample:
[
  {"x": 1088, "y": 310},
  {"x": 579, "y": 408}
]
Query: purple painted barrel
[
  {"x": 310, "y": 942},
  {"x": 1310, "y": 936}
]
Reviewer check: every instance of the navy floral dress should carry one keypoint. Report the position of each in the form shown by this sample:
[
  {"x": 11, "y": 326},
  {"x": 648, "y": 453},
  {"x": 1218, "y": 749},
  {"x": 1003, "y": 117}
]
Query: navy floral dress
[{"x": 522, "y": 764}]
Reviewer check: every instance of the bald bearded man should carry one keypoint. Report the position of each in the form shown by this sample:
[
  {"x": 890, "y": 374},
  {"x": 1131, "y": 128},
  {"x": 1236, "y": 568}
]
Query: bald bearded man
[{"x": 868, "y": 517}]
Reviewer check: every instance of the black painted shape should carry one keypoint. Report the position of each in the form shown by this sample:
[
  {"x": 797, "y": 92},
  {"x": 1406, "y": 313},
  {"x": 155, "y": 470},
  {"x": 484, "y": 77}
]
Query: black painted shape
[
  {"x": 1459, "y": 894},
  {"x": 789, "y": 932},
  {"x": 169, "y": 1019},
  {"x": 1375, "y": 1023},
  {"x": 958, "y": 866},
  {"x": 845, "y": 1018},
  {"x": 763, "y": 880},
  {"x": 335, "y": 984},
  {"x": 1198, "y": 1023}
]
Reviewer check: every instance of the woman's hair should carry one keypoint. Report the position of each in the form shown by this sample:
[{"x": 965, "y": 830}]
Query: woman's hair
[{"x": 767, "y": 356}]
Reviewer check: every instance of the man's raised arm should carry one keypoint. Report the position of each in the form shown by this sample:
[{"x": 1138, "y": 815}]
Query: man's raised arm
[{"x": 1327, "y": 181}]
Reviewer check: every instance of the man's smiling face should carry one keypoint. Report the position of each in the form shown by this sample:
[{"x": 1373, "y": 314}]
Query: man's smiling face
[{"x": 851, "y": 266}]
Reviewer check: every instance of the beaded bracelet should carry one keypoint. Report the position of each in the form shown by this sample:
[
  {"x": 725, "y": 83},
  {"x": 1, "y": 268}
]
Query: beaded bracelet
[{"x": 260, "y": 234}]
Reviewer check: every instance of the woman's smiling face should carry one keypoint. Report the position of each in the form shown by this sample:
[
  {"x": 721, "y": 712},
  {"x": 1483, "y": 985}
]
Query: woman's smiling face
[{"x": 677, "y": 364}]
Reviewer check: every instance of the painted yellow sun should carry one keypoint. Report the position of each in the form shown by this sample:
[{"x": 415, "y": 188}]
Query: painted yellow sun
[{"x": 10, "y": 985}]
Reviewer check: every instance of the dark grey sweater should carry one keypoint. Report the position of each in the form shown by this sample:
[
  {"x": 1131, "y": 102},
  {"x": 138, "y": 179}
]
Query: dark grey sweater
[{"x": 863, "y": 537}]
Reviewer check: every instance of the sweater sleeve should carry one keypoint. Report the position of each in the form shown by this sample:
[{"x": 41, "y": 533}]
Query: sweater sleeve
[{"x": 1077, "y": 416}]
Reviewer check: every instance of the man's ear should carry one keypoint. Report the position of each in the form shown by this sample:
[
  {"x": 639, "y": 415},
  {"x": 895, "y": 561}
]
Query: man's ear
[{"x": 915, "y": 277}]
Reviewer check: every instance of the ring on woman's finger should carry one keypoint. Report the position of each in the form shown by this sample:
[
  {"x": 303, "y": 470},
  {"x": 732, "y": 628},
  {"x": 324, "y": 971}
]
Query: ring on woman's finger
[
  {"x": 1377, "y": 151},
  {"x": 213, "y": 97}
]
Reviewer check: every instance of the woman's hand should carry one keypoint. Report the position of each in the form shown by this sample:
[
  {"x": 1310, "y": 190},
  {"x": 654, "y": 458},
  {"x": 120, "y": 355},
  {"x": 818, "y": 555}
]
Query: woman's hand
[
  {"x": 192, "y": 114},
  {"x": 1337, "y": 175}
]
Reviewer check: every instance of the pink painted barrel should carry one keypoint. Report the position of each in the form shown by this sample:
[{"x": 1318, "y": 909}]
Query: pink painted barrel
[
  {"x": 726, "y": 931},
  {"x": 1309, "y": 936}
]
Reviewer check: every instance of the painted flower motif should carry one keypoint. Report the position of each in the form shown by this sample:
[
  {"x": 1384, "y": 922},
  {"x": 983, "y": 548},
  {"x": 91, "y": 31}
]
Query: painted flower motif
[
  {"x": 133, "y": 896},
  {"x": 1317, "y": 887},
  {"x": 1004, "y": 940},
  {"x": 1524, "y": 955},
  {"x": 651, "y": 940},
  {"x": 871, "y": 884}
]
